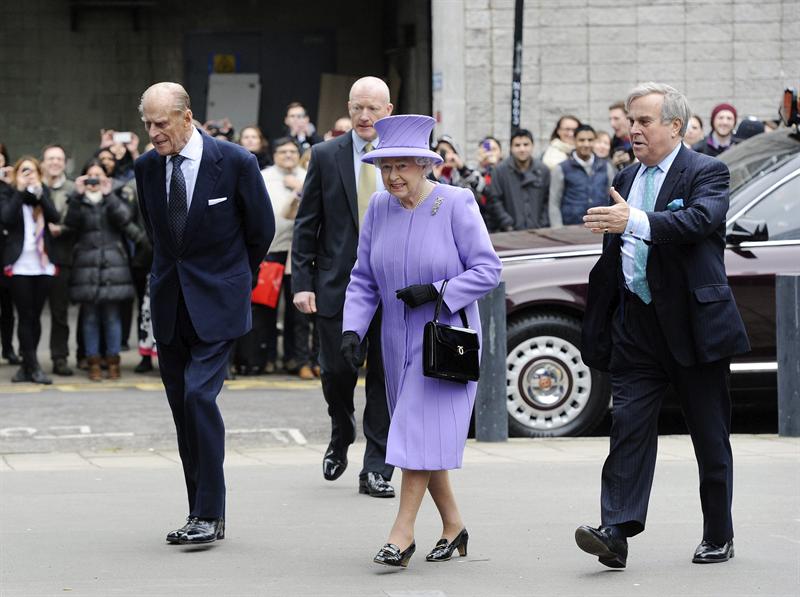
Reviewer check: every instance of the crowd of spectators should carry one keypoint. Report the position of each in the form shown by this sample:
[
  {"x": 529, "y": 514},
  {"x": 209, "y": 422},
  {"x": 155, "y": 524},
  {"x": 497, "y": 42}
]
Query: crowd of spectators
[{"x": 81, "y": 243}]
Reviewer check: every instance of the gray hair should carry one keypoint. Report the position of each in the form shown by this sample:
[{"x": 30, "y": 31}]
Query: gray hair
[
  {"x": 426, "y": 163},
  {"x": 675, "y": 105},
  {"x": 179, "y": 97}
]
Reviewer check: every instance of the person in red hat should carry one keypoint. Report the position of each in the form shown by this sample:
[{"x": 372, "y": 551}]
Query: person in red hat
[{"x": 723, "y": 123}]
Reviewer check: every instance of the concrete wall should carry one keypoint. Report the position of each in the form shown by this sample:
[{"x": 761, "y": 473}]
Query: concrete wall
[{"x": 581, "y": 55}]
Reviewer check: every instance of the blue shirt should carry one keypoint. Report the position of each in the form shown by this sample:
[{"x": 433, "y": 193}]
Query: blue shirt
[{"x": 638, "y": 223}]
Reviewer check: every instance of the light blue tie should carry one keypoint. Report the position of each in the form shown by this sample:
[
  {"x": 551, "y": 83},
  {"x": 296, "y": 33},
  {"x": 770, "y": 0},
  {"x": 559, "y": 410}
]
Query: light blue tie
[{"x": 639, "y": 284}]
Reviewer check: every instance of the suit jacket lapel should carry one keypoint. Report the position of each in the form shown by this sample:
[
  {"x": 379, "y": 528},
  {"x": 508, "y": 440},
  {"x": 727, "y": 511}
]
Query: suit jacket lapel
[
  {"x": 209, "y": 171},
  {"x": 344, "y": 159},
  {"x": 672, "y": 178}
]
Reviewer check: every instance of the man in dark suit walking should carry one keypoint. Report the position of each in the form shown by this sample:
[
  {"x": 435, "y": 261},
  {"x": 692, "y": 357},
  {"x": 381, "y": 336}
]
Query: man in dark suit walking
[
  {"x": 659, "y": 313},
  {"x": 335, "y": 197},
  {"x": 209, "y": 217}
]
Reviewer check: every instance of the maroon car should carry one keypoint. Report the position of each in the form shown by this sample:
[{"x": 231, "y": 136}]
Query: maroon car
[{"x": 550, "y": 391}]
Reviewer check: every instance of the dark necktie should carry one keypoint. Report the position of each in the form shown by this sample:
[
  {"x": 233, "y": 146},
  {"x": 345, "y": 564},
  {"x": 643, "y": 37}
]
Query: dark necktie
[{"x": 177, "y": 210}]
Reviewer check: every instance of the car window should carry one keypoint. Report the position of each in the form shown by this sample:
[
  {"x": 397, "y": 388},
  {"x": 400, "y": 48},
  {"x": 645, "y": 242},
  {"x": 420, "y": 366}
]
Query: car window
[
  {"x": 759, "y": 155},
  {"x": 781, "y": 210}
]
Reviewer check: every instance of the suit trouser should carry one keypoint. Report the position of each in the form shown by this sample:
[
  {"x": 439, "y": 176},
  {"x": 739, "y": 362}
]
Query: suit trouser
[
  {"x": 6, "y": 316},
  {"x": 338, "y": 385},
  {"x": 59, "y": 314},
  {"x": 193, "y": 372},
  {"x": 30, "y": 294},
  {"x": 642, "y": 367}
]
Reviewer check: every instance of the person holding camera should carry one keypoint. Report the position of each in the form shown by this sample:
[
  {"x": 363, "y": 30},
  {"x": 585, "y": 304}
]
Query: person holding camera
[
  {"x": 6, "y": 303},
  {"x": 101, "y": 276},
  {"x": 25, "y": 213}
]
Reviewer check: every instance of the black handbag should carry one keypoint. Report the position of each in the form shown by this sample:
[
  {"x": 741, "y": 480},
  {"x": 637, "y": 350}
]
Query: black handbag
[{"x": 450, "y": 352}]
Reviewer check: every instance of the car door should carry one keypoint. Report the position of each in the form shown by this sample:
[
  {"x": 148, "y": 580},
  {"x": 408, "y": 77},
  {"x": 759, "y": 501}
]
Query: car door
[{"x": 752, "y": 266}]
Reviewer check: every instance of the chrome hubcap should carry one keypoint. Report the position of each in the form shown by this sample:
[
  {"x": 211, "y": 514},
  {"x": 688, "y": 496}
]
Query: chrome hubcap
[{"x": 547, "y": 383}]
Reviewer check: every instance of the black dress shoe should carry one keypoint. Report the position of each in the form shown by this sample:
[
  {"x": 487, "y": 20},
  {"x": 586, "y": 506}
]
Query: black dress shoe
[
  {"x": 610, "y": 547},
  {"x": 21, "y": 375},
  {"x": 39, "y": 376},
  {"x": 199, "y": 531},
  {"x": 174, "y": 537},
  {"x": 444, "y": 550},
  {"x": 333, "y": 465},
  {"x": 711, "y": 553},
  {"x": 12, "y": 357},
  {"x": 60, "y": 367},
  {"x": 390, "y": 555},
  {"x": 375, "y": 485}
]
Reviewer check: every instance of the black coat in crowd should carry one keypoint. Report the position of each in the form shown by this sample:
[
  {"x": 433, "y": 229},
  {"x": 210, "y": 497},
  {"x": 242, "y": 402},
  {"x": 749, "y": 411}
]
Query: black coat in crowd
[
  {"x": 100, "y": 260},
  {"x": 14, "y": 224}
]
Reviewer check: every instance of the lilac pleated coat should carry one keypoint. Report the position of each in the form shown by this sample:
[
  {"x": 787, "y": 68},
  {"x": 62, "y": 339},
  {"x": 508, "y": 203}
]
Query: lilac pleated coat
[{"x": 443, "y": 238}]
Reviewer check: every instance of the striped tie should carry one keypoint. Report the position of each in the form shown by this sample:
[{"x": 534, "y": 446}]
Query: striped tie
[{"x": 639, "y": 284}]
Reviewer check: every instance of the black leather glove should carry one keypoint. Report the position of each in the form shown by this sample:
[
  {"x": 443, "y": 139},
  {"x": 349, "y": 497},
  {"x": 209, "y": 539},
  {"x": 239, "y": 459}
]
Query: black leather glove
[
  {"x": 351, "y": 350},
  {"x": 417, "y": 294}
]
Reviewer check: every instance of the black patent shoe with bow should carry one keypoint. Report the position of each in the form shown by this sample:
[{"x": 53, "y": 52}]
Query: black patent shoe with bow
[
  {"x": 390, "y": 555},
  {"x": 444, "y": 550}
]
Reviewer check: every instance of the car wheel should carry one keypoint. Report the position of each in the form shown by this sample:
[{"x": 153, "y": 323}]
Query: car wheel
[{"x": 550, "y": 391}]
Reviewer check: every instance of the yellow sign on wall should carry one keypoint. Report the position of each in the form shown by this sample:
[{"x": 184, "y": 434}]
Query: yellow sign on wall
[{"x": 224, "y": 63}]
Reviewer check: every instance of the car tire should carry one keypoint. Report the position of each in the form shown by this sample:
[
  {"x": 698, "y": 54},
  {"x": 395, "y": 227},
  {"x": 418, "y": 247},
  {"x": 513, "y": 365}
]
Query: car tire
[{"x": 550, "y": 391}]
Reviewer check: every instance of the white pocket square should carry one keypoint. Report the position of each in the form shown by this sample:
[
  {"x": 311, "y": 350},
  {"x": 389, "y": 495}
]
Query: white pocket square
[{"x": 215, "y": 201}]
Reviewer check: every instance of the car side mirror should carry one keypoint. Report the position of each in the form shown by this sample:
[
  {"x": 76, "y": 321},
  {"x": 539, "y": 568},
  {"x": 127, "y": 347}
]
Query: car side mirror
[{"x": 746, "y": 230}]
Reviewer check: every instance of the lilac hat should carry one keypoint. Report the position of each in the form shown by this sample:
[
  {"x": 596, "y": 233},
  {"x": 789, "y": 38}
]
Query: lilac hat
[{"x": 403, "y": 136}]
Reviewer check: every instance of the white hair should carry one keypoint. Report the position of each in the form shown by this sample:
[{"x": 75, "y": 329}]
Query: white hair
[
  {"x": 426, "y": 163},
  {"x": 675, "y": 105},
  {"x": 179, "y": 97}
]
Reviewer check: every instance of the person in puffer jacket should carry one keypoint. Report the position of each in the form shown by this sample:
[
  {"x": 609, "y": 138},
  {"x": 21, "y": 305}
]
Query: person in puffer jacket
[{"x": 101, "y": 276}]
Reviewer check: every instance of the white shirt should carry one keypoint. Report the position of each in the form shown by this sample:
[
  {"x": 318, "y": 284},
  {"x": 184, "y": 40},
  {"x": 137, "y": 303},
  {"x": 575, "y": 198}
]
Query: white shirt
[
  {"x": 29, "y": 263},
  {"x": 638, "y": 224},
  {"x": 193, "y": 152},
  {"x": 358, "y": 152}
]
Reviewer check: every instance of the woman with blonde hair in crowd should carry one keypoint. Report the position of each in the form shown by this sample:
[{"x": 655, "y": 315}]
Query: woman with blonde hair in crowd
[
  {"x": 26, "y": 210},
  {"x": 562, "y": 141}
]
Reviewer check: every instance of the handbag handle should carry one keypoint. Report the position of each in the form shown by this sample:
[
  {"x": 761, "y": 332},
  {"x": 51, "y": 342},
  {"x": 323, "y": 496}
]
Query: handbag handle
[{"x": 439, "y": 300}]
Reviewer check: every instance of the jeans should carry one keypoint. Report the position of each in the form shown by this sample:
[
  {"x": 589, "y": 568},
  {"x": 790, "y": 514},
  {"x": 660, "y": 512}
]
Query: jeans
[{"x": 103, "y": 317}]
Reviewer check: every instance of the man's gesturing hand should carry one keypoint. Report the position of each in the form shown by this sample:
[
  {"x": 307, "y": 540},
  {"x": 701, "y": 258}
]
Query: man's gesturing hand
[
  {"x": 306, "y": 302},
  {"x": 612, "y": 219}
]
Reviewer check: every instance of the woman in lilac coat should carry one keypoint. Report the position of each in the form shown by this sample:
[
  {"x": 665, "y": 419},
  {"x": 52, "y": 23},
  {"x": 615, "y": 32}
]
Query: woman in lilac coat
[{"x": 416, "y": 235}]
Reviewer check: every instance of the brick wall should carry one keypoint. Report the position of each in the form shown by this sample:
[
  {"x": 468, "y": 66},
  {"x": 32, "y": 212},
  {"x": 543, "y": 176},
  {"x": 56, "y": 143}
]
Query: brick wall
[{"x": 581, "y": 55}]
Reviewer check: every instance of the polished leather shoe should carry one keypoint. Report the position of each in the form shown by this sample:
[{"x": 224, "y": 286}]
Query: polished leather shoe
[
  {"x": 443, "y": 550},
  {"x": 376, "y": 486},
  {"x": 333, "y": 465},
  {"x": 199, "y": 531},
  {"x": 711, "y": 553},
  {"x": 174, "y": 537},
  {"x": 390, "y": 555},
  {"x": 610, "y": 547}
]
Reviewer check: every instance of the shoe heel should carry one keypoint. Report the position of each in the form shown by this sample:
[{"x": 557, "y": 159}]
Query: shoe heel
[
  {"x": 462, "y": 547},
  {"x": 407, "y": 555},
  {"x": 221, "y": 530}
]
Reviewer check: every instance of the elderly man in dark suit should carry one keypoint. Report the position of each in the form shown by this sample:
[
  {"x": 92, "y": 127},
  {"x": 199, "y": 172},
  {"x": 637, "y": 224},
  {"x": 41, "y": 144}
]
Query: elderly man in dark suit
[
  {"x": 209, "y": 217},
  {"x": 660, "y": 313},
  {"x": 336, "y": 193}
]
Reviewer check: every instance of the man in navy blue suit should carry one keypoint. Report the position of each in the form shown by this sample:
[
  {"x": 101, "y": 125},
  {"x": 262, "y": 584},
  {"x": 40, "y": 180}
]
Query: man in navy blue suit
[
  {"x": 660, "y": 313},
  {"x": 209, "y": 216}
]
